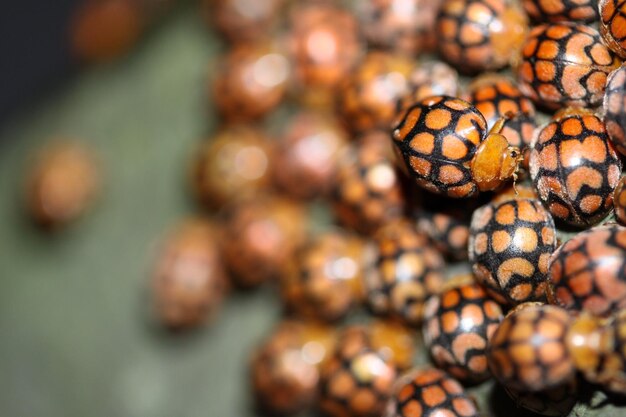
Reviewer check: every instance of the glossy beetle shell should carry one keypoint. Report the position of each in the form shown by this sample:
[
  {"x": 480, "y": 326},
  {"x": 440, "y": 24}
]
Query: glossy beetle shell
[
  {"x": 188, "y": 281},
  {"x": 582, "y": 11},
  {"x": 613, "y": 25},
  {"x": 367, "y": 192},
  {"x": 429, "y": 392},
  {"x": 575, "y": 169},
  {"x": 62, "y": 184},
  {"x": 496, "y": 96},
  {"x": 407, "y": 271},
  {"x": 356, "y": 381},
  {"x": 308, "y": 154},
  {"x": 234, "y": 162},
  {"x": 589, "y": 271},
  {"x": 614, "y": 108},
  {"x": 404, "y": 26},
  {"x": 449, "y": 231},
  {"x": 285, "y": 368},
  {"x": 619, "y": 201},
  {"x": 324, "y": 44},
  {"x": 509, "y": 248},
  {"x": 458, "y": 324},
  {"x": 324, "y": 281},
  {"x": 432, "y": 78},
  {"x": 564, "y": 65},
  {"x": 368, "y": 98},
  {"x": 251, "y": 81},
  {"x": 478, "y": 35},
  {"x": 528, "y": 352},
  {"x": 260, "y": 235},
  {"x": 435, "y": 141}
]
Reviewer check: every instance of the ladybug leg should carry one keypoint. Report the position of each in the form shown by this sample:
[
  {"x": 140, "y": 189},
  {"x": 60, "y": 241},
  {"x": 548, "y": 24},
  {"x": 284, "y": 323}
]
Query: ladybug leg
[{"x": 499, "y": 124}]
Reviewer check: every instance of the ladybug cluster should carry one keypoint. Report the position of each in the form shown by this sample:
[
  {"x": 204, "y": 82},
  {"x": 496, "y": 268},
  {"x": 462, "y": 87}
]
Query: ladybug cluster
[{"x": 362, "y": 209}]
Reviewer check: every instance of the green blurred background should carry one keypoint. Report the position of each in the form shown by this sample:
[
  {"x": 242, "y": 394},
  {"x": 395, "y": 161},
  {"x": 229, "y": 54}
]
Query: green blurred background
[{"x": 76, "y": 336}]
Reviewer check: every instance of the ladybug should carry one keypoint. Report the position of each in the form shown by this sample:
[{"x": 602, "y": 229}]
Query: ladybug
[
  {"x": 574, "y": 167},
  {"x": 250, "y": 82},
  {"x": 285, "y": 367},
  {"x": 431, "y": 78},
  {"x": 448, "y": 228},
  {"x": 496, "y": 96},
  {"x": 366, "y": 191},
  {"x": 235, "y": 162},
  {"x": 394, "y": 340},
  {"x": 259, "y": 236},
  {"x": 430, "y": 392},
  {"x": 62, "y": 185},
  {"x": 404, "y": 26},
  {"x": 189, "y": 282},
  {"x": 614, "y": 104},
  {"x": 528, "y": 352},
  {"x": 457, "y": 326},
  {"x": 509, "y": 248},
  {"x": 308, "y": 153},
  {"x": 557, "y": 401},
  {"x": 582, "y": 11},
  {"x": 612, "y": 25},
  {"x": 619, "y": 201},
  {"x": 368, "y": 98},
  {"x": 598, "y": 346},
  {"x": 478, "y": 35},
  {"x": 589, "y": 271},
  {"x": 564, "y": 64},
  {"x": 357, "y": 380},
  {"x": 324, "y": 46},
  {"x": 324, "y": 279},
  {"x": 408, "y": 270},
  {"x": 444, "y": 145}
]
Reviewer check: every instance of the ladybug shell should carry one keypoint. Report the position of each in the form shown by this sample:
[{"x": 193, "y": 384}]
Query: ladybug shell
[
  {"x": 619, "y": 201},
  {"x": 528, "y": 351},
  {"x": 494, "y": 96},
  {"x": 575, "y": 169},
  {"x": 589, "y": 271},
  {"x": 408, "y": 270},
  {"x": 477, "y": 35},
  {"x": 436, "y": 140},
  {"x": 509, "y": 248},
  {"x": 430, "y": 392},
  {"x": 613, "y": 25},
  {"x": 565, "y": 65},
  {"x": 457, "y": 326},
  {"x": 614, "y": 108},
  {"x": 357, "y": 380},
  {"x": 583, "y": 11}
]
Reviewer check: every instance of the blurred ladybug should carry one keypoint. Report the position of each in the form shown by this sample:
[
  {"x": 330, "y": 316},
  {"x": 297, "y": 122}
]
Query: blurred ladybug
[
  {"x": 614, "y": 108},
  {"x": 528, "y": 351},
  {"x": 478, "y": 35},
  {"x": 457, "y": 326},
  {"x": 443, "y": 143},
  {"x": 430, "y": 392},
  {"x": 575, "y": 168},
  {"x": 581, "y": 11},
  {"x": 565, "y": 64},
  {"x": 589, "y": 271}
]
